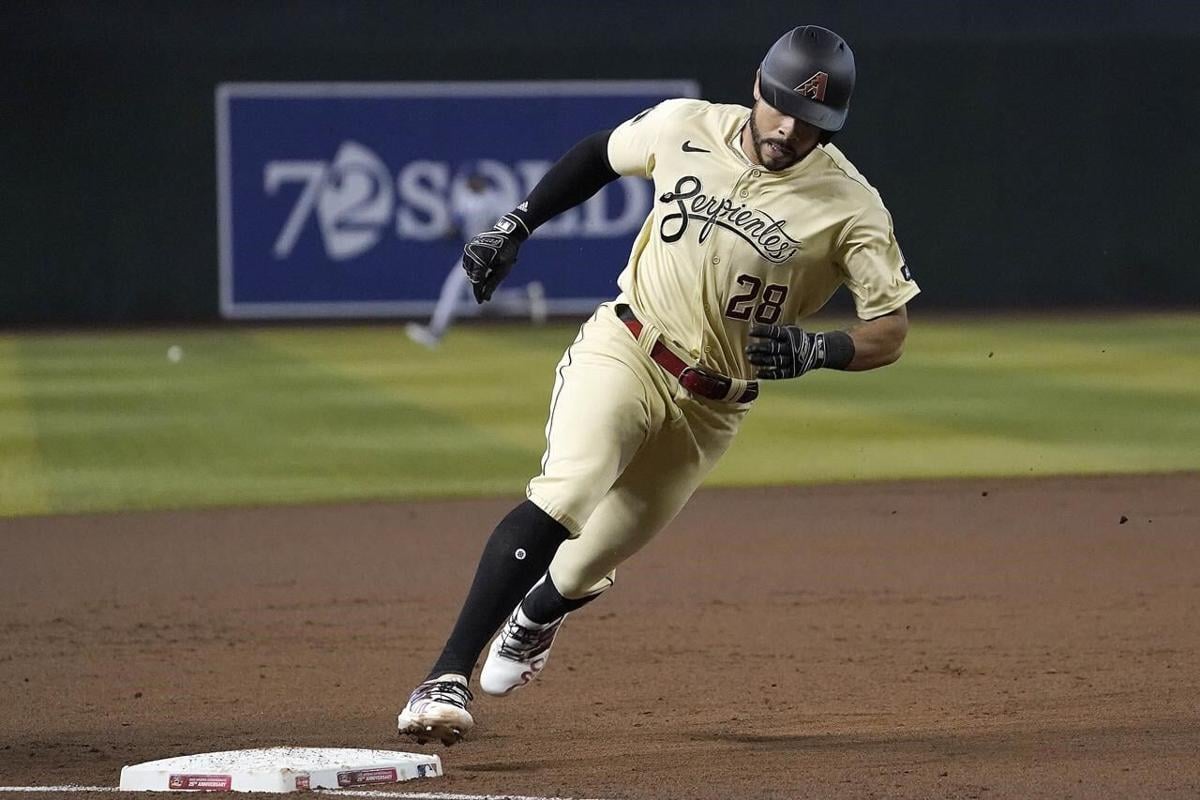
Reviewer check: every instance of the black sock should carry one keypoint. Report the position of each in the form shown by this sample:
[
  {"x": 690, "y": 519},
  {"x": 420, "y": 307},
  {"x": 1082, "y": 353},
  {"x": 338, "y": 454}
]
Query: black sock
[
  {"x": 516, "y": 555},
  {"x": 545, "y": 603}
]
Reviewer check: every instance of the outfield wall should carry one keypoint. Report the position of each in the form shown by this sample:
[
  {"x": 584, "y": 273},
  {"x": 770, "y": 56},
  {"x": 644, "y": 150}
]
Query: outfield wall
[{"x": 1032, "y": 156}]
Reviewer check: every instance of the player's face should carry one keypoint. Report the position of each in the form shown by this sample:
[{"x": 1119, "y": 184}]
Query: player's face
[{"x": 779, "y": 141}]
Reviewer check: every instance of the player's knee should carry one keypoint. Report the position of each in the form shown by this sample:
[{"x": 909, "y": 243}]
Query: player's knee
[
  {"x": 578, "y": 581},
  {"x": 528, "y": 528}
]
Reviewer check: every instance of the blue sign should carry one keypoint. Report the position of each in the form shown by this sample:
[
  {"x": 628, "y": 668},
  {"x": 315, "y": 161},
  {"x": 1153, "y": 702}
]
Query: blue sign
[{"x": 347, "y": 200}]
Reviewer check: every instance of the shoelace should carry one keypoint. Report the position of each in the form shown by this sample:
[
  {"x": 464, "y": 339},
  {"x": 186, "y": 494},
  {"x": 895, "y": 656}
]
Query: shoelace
[
  {"x": 450, "y": 692},
  {"x": 522, "y": 644}
]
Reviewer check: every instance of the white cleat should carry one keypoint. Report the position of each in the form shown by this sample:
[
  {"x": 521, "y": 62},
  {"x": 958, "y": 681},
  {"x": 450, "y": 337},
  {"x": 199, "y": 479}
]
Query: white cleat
[
  {"x": 518, "y": 653},
  {"x": 422, "y": 335},
  {"x": 437, "y": 709}
]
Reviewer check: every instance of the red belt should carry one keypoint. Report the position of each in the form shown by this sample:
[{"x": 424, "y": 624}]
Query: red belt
[{"x": 696, "y": 380}]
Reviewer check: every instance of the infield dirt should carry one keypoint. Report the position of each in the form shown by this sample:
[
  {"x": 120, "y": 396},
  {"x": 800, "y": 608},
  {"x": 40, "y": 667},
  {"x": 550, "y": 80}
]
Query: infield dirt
[{"x": 973, "y": 638}]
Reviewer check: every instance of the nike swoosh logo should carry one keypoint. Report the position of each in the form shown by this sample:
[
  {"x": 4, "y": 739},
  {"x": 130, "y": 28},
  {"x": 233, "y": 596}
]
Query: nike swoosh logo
[{"x": 688, "y": 148}]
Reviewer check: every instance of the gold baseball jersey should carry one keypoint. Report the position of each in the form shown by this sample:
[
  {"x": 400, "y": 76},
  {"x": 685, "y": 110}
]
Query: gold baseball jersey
[{"x": 730, "y": 243}]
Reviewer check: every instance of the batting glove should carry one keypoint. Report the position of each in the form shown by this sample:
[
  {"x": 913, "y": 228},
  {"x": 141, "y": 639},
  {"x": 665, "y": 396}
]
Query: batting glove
[
  {"x": 784, "y": 351},
  {"x": 489, "y": 256}
]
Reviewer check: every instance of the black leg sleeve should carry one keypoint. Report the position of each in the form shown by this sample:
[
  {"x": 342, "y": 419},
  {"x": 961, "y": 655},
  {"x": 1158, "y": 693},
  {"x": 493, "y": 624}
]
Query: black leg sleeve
[
  {"x": 545, "y": 603},
  {"x": 515, "y": 557}
]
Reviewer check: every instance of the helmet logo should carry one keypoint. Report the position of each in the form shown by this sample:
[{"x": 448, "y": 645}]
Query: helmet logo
[{"x": 814, "y": 87}]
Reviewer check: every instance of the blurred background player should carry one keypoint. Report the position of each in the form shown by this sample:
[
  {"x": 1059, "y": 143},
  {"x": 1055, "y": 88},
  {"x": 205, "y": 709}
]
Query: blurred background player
[{"x": 476, "y": 202}]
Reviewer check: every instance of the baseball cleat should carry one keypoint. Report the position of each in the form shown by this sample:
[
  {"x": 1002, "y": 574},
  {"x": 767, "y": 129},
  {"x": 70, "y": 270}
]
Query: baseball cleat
[
  {"x": 437, "y": 709},
  {"x": 518, "y": 653},
  {"x": 422, "y": 335}
]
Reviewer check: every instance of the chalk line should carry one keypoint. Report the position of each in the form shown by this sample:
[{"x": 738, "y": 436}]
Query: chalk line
[{"x": 331, "y": 792}]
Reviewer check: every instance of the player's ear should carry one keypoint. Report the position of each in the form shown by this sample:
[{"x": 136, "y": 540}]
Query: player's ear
[{"x": 757, "y": 90}]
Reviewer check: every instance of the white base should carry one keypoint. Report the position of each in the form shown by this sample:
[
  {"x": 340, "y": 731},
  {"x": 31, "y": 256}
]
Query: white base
[{"x": 278, "y": 769}]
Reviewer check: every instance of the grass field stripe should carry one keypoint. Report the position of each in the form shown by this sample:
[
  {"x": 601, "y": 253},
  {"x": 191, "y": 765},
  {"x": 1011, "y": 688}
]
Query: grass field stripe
[
  {"x": 22, "y": 473},
  {"x": 106, "y": 422}
]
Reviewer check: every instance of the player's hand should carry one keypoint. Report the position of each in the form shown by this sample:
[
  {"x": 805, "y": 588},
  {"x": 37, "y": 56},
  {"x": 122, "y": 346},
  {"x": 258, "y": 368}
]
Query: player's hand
[
  {"x": 784, "y": 351},
  {"x": 489, "y": 256}
]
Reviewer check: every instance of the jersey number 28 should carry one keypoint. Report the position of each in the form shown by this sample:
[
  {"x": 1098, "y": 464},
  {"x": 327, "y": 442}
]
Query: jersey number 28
[{"x": 742, "y": 306}]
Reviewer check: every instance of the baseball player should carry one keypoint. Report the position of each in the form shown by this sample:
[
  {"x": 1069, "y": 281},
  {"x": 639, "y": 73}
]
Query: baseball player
[
  {"x": 758, "y": 219},
  {"x": 475, "y": 203}
]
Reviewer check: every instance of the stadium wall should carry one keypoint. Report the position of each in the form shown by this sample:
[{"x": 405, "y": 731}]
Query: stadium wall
[{"x": 1032, "y": 155}]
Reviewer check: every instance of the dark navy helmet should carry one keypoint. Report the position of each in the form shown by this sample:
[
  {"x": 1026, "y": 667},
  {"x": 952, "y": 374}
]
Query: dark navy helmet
[{"x": 809, "y": 74}]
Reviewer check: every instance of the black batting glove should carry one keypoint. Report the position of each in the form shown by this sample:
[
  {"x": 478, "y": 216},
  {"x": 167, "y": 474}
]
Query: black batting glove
[
  {"x": 784, "y": 351},
  {"x": 489, "y": 256}
]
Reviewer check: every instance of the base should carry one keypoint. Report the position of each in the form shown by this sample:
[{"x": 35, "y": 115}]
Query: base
[{"x": 278, "y": 769}]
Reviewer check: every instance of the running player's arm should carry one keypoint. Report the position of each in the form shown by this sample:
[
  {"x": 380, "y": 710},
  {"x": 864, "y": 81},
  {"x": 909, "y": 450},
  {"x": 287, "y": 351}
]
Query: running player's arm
[
  {"x": 594, "y": 162},
  {"x": 881, "y": 283},
  {"x": 579, "y": 174},
  {"x": 588, "y": 167},
  {"x": 489, "y": 256},
  {"x": 874, "y": 270},
  {"x": 878, "y": 342}
]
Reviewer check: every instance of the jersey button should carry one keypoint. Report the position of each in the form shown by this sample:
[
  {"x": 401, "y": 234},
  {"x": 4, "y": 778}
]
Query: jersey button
[
  {"x": 744, "y": 192},
  {"x": 716, "y": 260},
  {"x": 756, "y": 174}
]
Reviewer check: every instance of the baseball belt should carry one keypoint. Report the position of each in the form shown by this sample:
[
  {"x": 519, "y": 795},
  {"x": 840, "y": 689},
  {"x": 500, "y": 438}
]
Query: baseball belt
[{"x": 696, "y": 379}]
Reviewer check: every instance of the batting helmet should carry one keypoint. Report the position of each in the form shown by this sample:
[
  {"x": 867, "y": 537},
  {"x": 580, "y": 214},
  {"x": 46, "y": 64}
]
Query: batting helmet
[{"x": 809, "y": 74}]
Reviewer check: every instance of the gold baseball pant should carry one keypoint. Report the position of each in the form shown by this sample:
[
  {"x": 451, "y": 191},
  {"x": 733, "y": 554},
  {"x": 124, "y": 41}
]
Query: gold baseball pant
[{"x": 626, "y": 447}]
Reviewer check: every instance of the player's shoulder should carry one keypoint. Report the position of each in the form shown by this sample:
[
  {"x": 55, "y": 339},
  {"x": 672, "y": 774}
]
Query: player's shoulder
[
  {"x": 703, "y": 123},
  {"x": 846, "y": 179},
  {"x": 692, "y": 111}
]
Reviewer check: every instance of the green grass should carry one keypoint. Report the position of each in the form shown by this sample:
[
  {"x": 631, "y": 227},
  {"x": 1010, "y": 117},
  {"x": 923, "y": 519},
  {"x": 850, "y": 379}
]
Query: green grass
[{"x": 103, "y": 421}]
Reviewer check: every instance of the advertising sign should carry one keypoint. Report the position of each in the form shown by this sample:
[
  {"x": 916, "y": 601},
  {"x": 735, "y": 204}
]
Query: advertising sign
[{"x": 352, "y": 200}]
